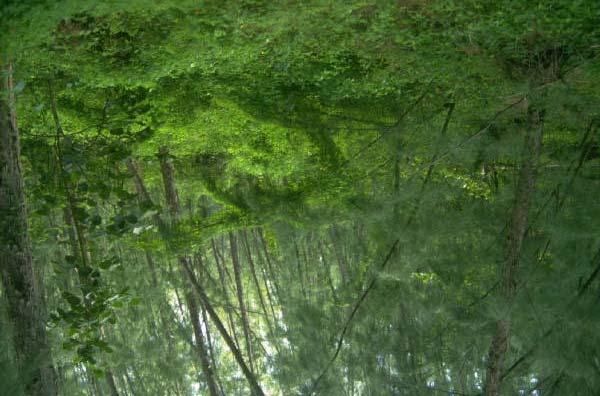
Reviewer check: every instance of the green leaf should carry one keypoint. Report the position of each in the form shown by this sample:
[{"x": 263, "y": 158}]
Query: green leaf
[{"x": 72, "y": 299}]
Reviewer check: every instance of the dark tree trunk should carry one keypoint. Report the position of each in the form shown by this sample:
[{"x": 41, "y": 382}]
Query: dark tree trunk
[
  {"x": 211, "y": 348},
  {"x": 265, "y": 278},
  {"x": 261, "y": 300},
  {"x": 300, "y": 272},
  {"x": 254, "y": 386},
  {"x": 172, "y": 197},
  {"x": 168, "y": 174},
  {"x": 207, "y": 368},
  {"x": 237, "y": 272},
  {"x": 142, "y": 194},
  {"x": 23, "y": 289},
  {"x": 110, "y": 380},
  {"x": 220, "y": 268},
  {"x": 327, "y": 273},
  {"x": 129, "y": 381},
  {"x": 339, "y": 254},
  {"x": 516, "y": 234},
  {"x": 77, "y": 234}
]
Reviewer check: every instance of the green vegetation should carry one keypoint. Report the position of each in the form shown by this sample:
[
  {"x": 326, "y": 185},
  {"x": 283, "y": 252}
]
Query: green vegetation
[{"x": 299, "y": 197}]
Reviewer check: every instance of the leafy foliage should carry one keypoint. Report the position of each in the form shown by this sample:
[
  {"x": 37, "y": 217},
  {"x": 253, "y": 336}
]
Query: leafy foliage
[{"x": 319, "y": 134}]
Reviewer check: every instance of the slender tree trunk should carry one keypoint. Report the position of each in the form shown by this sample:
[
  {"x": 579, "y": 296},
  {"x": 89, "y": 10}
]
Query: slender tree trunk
[
  {"x": 272, "y": 275},
  {"x": 300, "y": 272},
  {"x": 265, "y": 280},
  {"x": 23, "y": 289},
  {"x": 261, "y": 236},
  {"x": 152, "y": 268},
  {"x": 172, "y": 197},
  {"x": 139, "y": 380},
  {"x": 516, "y": 234},
  {"x": 220, "y": 268},
  {"x": 261, "y": 300},
  {"x": 211, "y": 349},
  {"x": 129, "y": 381},
  {"x": 77, "y": 246},
  {"x": 311, "y": 276},
  {"x": 110, "y": 380},
  {"x": 327, "y": 273},
  {"x": 339, "y": 254},
  {"x": 138, "y": 182},
  {"x": 200, "y": 345},
  {"x": 237, "y": 272},
  {"x": 168, "y": 175},
  {"x": 256, "y": 389},
  {"x": 145, "y": 200},
  {"x": 76, "y": 232}
]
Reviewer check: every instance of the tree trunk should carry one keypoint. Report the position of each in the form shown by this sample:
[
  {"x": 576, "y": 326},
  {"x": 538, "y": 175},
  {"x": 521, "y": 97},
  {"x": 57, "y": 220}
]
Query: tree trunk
[
  {"x": 77, "y": 237},
  {"x": 237, "y": 272},
  {"x": 220, "y": 268},
  {"x": 23, "y": 289},
  {"x": 200, "y": 345},
  {"x": 110, "y": 380},
  {"x": 142, "y": 194},
  {"x": 211, "y": 348},
  {"x": 300, "y": 273},
  {"x": 129, "y": 381},
  {"x": 327, "y": 273},
  {"x": 261, "y": 300},
  {"x": 254, "y": 386},
  {"x": 168, "y": 174},
  {"x": 172, "y": 197},
  {"x": 265, "y": 280},
  {"x": 339, "y": 254},
  {"x": 261, "y": 236},
  {"x": 517, "y": 228}
]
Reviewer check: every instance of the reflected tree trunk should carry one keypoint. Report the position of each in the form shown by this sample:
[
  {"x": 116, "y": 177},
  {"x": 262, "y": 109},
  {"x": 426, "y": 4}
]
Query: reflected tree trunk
[
  {"x": 22, "y": 287},
  {"x": 517, "y": 228},
  {"x": 168, "y": 173},
  {"x": 200, "y": 345},
  {"x": 237, "y": 272}
]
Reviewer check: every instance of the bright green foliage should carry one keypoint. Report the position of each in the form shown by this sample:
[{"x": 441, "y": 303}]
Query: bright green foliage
[{"x": 321, "y": 133}]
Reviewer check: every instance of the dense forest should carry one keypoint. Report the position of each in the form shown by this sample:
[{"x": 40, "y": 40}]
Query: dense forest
[{"x": 287, "y": 197}]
